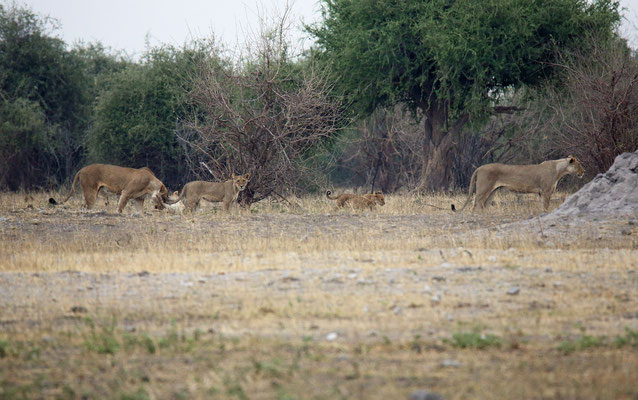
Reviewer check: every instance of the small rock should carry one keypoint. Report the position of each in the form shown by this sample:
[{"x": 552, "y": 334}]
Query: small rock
[
  {"x": 396, "y": 310},
  {"x": 450, "y": 363},
  {"x": 436, "y": 299},
  {"x": 425, "y": 395},
  {"x": 331, "y": 336},
  {"x": 352, "y": 276},
  {"x": 427, "y": 289},
  {"x": 514, "y": 291},
  {"x": 48, "y": 339},
  {"x": 143, "y": 273},
  {"x": 79, "y": 309},
  {"x": 557, "y": 284},
  {"x": 439, "y": 278}
]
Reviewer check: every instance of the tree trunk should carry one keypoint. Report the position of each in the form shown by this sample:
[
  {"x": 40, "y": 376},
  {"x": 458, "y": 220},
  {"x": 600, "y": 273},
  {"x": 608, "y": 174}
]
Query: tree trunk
[{"x": 438, "y": 149}]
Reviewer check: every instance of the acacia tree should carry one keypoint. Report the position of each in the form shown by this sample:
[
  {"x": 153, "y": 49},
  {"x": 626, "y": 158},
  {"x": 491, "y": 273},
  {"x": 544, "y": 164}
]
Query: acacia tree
[{"x": 451, "y": 60}]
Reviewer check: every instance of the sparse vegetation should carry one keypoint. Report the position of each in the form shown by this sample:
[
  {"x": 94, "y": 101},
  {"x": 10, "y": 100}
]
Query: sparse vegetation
[
  {"x": 300, "y": 301},
  {"x": 286, "y": 297}
]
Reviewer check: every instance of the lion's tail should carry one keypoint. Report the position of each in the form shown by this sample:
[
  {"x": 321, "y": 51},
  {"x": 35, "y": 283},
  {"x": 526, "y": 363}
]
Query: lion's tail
[
  {"x": 469, "y": 192},
  {"x": 328, "y": 194},
  {"x": 75, "y": 180}
]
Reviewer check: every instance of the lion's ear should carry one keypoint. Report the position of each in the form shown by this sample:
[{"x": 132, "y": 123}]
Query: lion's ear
[
  {"x": 234, "y": 176},
  {"x": 247, "y": 175},
  {"x": 571, "y": 160}
]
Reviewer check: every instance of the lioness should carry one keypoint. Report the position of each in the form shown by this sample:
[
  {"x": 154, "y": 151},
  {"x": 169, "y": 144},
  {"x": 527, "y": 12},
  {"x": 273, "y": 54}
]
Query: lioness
[
  {"x": 128, "y": 183},
  {"x": 537, "y": 178},
  {"x": 359, "y": 201},
  {"x": 226, "y": 192}
]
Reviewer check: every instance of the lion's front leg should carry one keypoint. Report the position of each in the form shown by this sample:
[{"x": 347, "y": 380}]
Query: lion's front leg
[
  {"x": 227, "y": 205},
  {"x": 546, "y": 198},
  {"x": 124, "y": 198}
]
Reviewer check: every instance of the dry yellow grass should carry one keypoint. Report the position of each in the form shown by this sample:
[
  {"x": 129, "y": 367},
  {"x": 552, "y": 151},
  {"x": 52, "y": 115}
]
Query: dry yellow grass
[{"x": 297, "y": 300}]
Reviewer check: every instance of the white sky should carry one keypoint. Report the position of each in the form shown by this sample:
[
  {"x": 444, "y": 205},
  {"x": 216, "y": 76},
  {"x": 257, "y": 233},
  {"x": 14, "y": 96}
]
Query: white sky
[{"x": 128, "y": 24}]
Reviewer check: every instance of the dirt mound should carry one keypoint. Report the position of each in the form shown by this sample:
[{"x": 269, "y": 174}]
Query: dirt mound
[{"x": 614, "y": 192}]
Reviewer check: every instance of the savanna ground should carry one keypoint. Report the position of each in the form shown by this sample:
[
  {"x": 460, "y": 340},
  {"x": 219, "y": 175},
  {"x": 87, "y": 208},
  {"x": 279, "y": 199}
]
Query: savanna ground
[{"x": 298, "y": 301}]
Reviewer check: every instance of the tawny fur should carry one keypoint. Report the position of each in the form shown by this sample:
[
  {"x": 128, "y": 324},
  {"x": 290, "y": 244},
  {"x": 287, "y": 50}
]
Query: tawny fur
[
  {"x": 536, "y": 178},
  {"x": 128, "y": 183},
  {"x": 358, "y": 201},
  {"x": 225, "y": 192}
]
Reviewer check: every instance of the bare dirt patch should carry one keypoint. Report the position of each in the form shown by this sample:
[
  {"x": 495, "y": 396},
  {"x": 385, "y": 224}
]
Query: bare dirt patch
[{"x": 300, "y": 301}]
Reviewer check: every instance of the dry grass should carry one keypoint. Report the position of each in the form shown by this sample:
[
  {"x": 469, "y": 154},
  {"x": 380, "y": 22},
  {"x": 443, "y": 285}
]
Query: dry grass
[{"x": 212, "y": 305}]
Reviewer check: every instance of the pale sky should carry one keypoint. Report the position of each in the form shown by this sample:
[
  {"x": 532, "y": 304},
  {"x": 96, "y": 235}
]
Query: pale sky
[{"x": 128, "y": 24}]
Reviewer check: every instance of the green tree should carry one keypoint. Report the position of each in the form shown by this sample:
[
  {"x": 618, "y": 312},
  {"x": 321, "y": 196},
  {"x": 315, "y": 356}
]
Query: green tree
[
  {"x": 41, "y": 86},
  {"x": 449, "y": 61},
  {"x": 137, "y": 112}
]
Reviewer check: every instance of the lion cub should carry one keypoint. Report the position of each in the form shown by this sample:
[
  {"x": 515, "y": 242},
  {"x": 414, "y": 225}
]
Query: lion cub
[
  {"x": 358, "y": 201},
  {"x": 226, "y": 192}
]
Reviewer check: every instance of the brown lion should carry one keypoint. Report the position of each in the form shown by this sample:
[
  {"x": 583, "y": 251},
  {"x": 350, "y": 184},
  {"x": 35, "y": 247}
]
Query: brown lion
[
  {"x": 358, "y": 201},
  {"x": 226, "y": 192},
  {"x": 537, "y": 178},
  {"x": 128, "y": 183}
]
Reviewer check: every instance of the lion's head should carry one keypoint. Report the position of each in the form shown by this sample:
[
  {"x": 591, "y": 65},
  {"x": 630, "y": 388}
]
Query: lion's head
[
  {"x": 574, "y": 167},
  {"x": 378, "y": 197},
  {"x": 241, "y": 181}
]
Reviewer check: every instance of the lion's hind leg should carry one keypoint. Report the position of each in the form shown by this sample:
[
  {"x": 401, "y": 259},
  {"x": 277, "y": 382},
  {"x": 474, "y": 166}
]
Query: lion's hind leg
[
  {"x": 191, "y": 205},
  {"x": 483, "y": 197},
  {"x": 90, "y": 194}
]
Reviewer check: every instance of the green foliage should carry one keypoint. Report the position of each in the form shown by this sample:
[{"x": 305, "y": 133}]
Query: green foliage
[
  {"x": 102, "y": 340},
  {"x": 4, "y": 348},
  {"x": 458, "y": 54},
  {"x": 585, "y": 342},
  {"x": 475, "y": 340},
  {"x": 582, "y": 343},
  {"x": 137, "y": 112},
  {"x": 46, "y": 96},
  {"x": 25, "y": 141},
  {"x": 139, "y": 394},
  {"x": 630, "y": 339}
]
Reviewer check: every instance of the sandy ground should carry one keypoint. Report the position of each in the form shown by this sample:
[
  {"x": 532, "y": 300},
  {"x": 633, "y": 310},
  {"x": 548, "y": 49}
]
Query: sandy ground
[{"x": 331, "y": 279}]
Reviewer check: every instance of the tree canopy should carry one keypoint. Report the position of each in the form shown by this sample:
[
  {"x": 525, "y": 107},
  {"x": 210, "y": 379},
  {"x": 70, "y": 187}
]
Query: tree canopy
[
  {"x": 450, "y": 59},
  {"x": 462, "y": 52}
]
